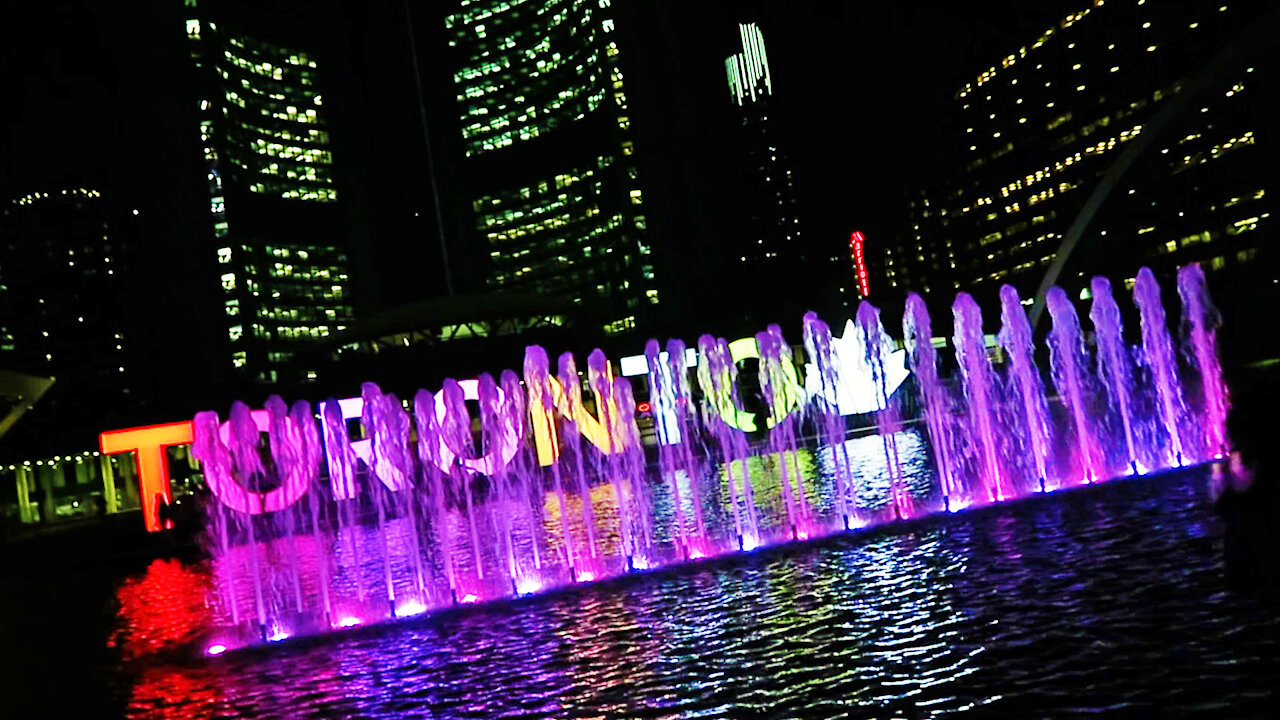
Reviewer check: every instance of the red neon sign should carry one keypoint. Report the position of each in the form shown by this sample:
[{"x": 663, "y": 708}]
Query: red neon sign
[{"x": 859, "y": 262}]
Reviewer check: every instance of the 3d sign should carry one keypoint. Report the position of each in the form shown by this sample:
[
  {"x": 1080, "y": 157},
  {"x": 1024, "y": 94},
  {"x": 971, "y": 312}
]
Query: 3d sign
[
  {"x": 856, "y": 392},
  {"x": 149, "y": 443},
  {"x": 229, "y": 449}
]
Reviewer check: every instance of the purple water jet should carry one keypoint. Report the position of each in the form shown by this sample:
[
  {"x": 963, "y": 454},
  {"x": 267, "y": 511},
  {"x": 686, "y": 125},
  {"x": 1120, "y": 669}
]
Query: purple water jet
[
  {"x": 817, "y": 343},
  {"x": 1201, "y": 320},
  {"x": 1015, "y": 337},
  {"x": 717, "y": 377},
  {"x": 1157, "y": 353},
  {"x": 877, "y": 345},
  {"x": 979, "y": 391},
  {"x": 1113, "y": 361},
  {"x": 780, "y": 397},
  {"x": 917, "y": 337},
  {"x": 537, "y": 377},
  {"x": 1070, "y": 362}
]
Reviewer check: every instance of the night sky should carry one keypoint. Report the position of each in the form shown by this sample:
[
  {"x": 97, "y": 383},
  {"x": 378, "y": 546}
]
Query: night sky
[{"x": 866, "y": 88}]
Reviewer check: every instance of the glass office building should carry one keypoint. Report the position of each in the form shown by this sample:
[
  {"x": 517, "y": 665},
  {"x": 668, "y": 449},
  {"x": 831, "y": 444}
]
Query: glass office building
[
  {"x": 550, "y": 161},
  {"x": 1042, "y": 126},
  {"x": 282, "y": 258}
]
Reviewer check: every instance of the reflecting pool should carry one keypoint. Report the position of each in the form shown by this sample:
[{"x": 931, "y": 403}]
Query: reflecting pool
[{"x": 1103, "y": 599}]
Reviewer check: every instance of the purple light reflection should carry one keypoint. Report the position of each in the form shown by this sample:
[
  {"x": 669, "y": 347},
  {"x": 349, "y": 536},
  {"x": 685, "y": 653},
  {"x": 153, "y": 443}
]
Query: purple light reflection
[{"x": 589, "y": 506}]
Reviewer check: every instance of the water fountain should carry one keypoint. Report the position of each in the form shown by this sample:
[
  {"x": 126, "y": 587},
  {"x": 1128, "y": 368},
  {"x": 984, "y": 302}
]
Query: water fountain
[
  {"x": 1070, "y": 361},
  {"x": 917, "y": 335},
  {"x": 1162, "y": 367},
  {"x": 1024, "y": 376},
  {"x": 877, "y": 347},
  {"x": 370, "y": 509},
  {"x": 1201, "y": 320},
  {"x": 1114, "y": 363},
  {"x": 980, "y": 388}
]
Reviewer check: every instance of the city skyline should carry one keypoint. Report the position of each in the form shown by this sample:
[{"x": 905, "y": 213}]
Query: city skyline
[
  {"x": 395, "y": 148},
  {"x": 570, "y": 358}
]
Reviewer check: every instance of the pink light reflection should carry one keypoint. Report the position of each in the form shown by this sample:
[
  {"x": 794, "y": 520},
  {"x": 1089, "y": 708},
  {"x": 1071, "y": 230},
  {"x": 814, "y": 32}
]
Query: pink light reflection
[
  {"x": 528, "y": 586},
  {"x": 409, "y": 608}
]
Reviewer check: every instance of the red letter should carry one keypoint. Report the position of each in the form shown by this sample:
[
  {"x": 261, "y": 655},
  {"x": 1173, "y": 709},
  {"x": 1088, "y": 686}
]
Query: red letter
[{"x": 153, "y": 472}]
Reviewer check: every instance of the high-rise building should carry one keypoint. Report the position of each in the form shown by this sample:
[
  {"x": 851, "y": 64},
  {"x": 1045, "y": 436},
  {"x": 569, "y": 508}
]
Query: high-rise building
[
  {"x": 65, "y": 261},
  {"x": 923, "y": 256},
  {"x": 273, "y": 200},
  {"x": 550, "y": 158},
  {"x": 1043, "y": 125},
  {"x": 771, "y": 254}
]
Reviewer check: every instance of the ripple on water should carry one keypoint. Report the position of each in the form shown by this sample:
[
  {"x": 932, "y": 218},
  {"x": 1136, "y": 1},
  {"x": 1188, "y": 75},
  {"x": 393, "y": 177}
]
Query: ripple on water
[{"x": 1103, "y": 601}]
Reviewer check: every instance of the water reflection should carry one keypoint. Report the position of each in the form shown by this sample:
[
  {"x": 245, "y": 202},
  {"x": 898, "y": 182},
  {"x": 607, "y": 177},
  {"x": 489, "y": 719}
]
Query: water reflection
[{"x": 1083, "y": 602}]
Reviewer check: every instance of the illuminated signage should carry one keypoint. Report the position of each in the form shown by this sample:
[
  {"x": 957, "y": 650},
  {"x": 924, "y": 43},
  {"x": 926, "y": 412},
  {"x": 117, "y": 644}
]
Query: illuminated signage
[
  {"x": 855, "y": 391},
  {"x": 214, "y": 440},
  {"x": 859, "y": 262},
  {"x": 150, "y": 443}
]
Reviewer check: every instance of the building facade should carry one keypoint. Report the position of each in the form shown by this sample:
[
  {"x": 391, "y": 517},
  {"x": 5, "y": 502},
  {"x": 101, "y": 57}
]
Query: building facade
[
  {"x": 550, "y": 165},
  {"x": 65, "y": 261},
  {"x": 1042, "y": 126},
  {"x": 772, "y": 253},
  {"x": 277, "y": 227}
]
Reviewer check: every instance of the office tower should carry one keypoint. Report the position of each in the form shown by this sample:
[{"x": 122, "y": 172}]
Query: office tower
[
  {"x": 771, "y": 256},
  {"x": 550, "y": 160},
  {"x": 278, "y": 230},
  {"x": 1042, "y": 126},
  {"x": 923, "y": 257},
  {"x": 767, "y": 170}
]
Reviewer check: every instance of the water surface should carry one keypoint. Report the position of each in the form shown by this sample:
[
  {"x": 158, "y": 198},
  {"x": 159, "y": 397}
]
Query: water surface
[{"x": 1103, "y": 599}]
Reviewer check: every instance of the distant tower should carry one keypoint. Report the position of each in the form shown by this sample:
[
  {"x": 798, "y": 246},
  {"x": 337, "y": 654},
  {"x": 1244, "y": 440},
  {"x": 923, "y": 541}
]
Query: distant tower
[
  {"x": 282, "y": 259},
  {"x": 550, "y": 159},
  {"x": 772, "y": 254}
]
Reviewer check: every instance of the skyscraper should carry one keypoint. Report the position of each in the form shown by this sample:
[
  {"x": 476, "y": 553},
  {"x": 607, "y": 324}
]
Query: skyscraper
[
  {"x": 766, "y": 168},
  {"x": 281, "y": 250},
  {"x": 550, "y": 162},
  {"x": 1042, "y": 127}
]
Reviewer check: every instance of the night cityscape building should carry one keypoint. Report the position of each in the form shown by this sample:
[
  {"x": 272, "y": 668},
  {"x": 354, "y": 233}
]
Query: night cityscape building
[
  {"x": 550, "y": 157},
  {"x": 1043, "y": 125},
  {"x": 65, "y": 273},
  {"x": 72, "y": 318},
  {"x": 277, "y": 227},
  {"x": 773, "y": 251}
]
